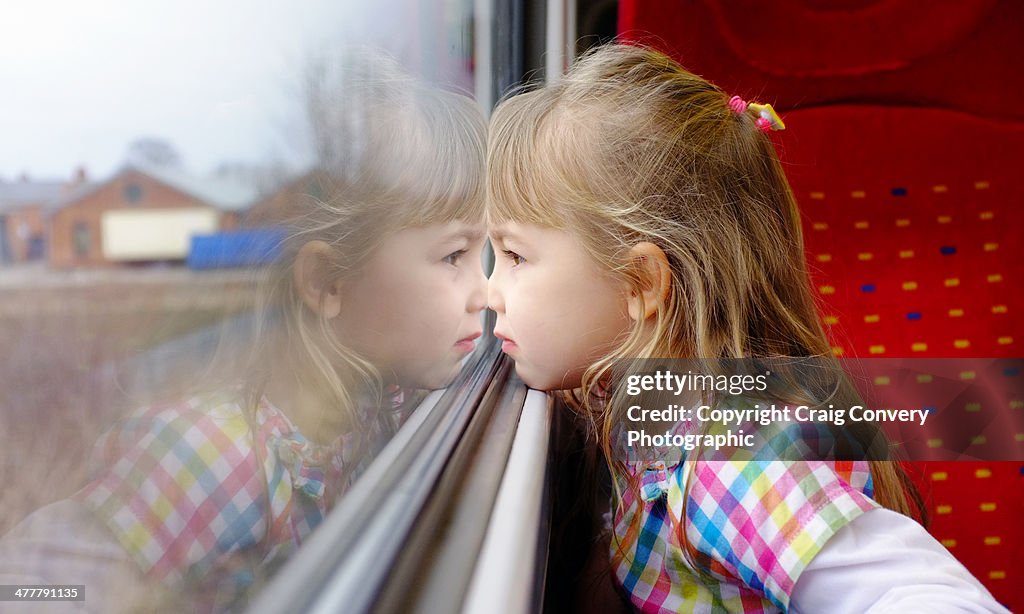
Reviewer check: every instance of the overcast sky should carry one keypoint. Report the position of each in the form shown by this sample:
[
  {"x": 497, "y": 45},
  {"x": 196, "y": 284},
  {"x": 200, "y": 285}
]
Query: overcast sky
[{"x": 218, "y": 79}]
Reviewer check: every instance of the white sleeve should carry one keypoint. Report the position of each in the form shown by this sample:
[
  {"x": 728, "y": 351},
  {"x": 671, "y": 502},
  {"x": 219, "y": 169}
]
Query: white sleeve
[
  {"x": 885, "y": 562},
  {"x": 64, "y": 543}
]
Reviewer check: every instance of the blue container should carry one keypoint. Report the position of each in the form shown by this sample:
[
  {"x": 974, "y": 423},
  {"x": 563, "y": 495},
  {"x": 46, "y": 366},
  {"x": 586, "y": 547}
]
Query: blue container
[{"x": 239, "y": 248}]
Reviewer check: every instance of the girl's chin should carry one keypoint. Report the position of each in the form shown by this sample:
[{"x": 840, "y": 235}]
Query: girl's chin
[
  {"x": 547, "y": 382},
  {"x": 437, "y": 375},
  {"x": 434, "y": 381}
]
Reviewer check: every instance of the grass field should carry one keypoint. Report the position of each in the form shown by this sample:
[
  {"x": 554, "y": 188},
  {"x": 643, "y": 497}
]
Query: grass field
[{"x": 63, "y": 338}]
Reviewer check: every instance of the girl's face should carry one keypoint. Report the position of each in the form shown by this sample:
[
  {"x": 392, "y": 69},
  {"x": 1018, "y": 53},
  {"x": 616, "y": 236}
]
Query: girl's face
[
  {"x": 558, "y": 310},
  {"x": 414, "y": 309}
]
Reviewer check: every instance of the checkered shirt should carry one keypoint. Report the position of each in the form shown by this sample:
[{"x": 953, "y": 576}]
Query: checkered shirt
[
  {"x": 751, "y": 527},
  {"x": 210, "y": 500}
]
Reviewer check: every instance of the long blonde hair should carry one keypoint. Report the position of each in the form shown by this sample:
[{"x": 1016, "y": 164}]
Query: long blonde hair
[
  {"x": 631, "y": 147},
  {"x": 392, "y": 153}
]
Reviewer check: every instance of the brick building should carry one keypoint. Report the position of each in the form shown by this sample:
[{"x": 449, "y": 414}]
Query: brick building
[
  {"x": 141, "y": 214},
  {"x": 25, "y": 205},
  {"x": 291, "y": 198}
]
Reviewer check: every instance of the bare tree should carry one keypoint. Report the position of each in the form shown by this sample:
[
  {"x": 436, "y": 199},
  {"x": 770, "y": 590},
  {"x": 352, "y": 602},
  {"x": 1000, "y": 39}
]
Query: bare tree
[
  {"x": 152, "y": 151},
  {"x": 343, "y": 95}
]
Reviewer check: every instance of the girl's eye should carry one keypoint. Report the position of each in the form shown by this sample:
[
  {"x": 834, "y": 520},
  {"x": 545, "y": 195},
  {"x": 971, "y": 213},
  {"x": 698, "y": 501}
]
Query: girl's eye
[
  {"x": 514, "y": 257},
  {"x": 453, "y": 258}
]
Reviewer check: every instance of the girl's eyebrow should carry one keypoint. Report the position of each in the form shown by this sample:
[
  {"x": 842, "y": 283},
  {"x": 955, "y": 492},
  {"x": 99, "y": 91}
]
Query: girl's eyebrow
[
  {"x": 501, "y": 233},
  {"x": 470, "y": 234}
]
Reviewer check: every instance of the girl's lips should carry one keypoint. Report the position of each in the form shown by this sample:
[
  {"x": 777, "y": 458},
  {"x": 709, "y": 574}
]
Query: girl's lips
[
  {"x": 507, "y": 344},
  {"x": 466, "y": 344}
]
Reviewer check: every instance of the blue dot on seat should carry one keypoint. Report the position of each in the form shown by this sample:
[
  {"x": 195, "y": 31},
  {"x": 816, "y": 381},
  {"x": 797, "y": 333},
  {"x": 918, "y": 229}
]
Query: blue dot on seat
[
  {"x": 1011, "y": 372},
  {"x": 899, "y": 191},
  {"x": 867, "y": 288},
  {"x": 914, "y": 315},
  {"x": 947, "y": 250}
]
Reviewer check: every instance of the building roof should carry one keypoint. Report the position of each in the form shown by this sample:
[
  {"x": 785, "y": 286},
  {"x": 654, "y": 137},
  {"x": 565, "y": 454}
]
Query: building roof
[
  {"x": 223, "y": 193},
  {"x": 21, "y": 193}
]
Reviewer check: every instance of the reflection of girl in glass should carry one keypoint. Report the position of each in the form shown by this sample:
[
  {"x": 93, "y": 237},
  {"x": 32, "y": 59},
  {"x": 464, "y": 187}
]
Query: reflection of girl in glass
[{"x": 380, "y": 288}]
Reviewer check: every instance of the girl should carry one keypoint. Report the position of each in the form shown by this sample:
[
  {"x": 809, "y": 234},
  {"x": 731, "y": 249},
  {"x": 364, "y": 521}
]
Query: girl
[
  {"x": 380, "y": 288},
  {"x": 638, "y": 212}
]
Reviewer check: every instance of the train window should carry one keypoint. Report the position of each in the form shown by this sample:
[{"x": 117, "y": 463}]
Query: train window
[
  {"x": 277, "y": 341},
  {"x": 456, "y": 515}
]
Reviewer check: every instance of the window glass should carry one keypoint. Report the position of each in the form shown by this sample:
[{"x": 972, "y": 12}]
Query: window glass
[
  {"x": 81, "y": 239},
  {"x": 133, "y": 193},
  {"x": 262, "y": 251}
]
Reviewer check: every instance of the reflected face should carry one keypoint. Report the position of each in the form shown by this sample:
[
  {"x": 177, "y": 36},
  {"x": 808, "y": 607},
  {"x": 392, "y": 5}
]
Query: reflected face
[
  {"x": 414, "y": 309},
  {"x": 558, "y": 310}
]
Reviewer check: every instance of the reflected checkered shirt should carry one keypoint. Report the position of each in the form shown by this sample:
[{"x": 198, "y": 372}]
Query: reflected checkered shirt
[{"x": 202, "y": 499}]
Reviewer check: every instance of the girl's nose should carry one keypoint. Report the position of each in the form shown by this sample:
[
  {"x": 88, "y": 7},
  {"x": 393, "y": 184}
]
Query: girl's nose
[
  {"x": 478, "y": 296},
  {"x": 495, "y": 299}
]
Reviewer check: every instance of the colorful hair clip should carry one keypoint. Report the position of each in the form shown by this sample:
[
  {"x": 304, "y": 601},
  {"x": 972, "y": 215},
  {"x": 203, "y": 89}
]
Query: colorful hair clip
[
  {"x": 766, "y": 114},
  {"x": 737, "y": 104},
  {"x": 767, "y": 118}
]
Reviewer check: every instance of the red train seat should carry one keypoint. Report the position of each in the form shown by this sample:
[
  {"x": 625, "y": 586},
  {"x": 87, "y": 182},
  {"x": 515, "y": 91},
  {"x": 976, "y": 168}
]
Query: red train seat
[{"x": 902, "y": 147}]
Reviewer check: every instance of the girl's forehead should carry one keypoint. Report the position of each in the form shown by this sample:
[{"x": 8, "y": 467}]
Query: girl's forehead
[
  {"x": 511, "y": 231},
  {"x": 444, "y": 232},
  {"x": 528, "y": 233}
]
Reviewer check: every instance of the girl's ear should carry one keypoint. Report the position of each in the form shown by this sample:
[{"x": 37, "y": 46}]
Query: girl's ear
[
  {"x": 314, "y": 279},
  {"x": 651, "y": 264}
]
